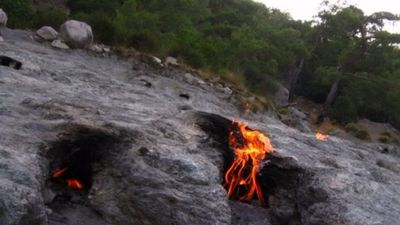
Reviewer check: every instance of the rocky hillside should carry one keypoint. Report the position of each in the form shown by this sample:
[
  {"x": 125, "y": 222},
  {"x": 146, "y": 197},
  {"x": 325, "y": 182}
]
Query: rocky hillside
[{"x": 149, "y": 144}]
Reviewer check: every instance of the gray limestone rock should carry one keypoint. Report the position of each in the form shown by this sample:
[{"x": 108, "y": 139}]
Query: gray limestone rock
[
  {"x": 171, "y": 61},
  {"x": 59, "y": 44},
  {"x": 76, "y": 34},
  {"x": 47, "y": 33},
  {"x": 3, "y": 18},
  {"x": 153, "y": 161}
]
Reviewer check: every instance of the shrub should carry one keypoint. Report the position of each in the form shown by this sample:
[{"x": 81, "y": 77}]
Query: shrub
[
  {"x": 357, "y": 131},
  {"x": 49, "y": 16},
  {"x": 387, "y": 134},
  {"x": 259, "y": 82},
  {"x": 143, "y": 41},
  {"x": 362, "y": 134},
  {"x": 283, "y": 111},
  {"x": 88, "y": 6},
  {"x": 331, "y": 130},
  {"x": 192, "y": 57},
  {"x": 233, "y": 78},
  {"x": 19, "y": 13},
  {"x": 384, "y": 139},
  {"x": 351, "y": 128},
  {"x": 344, "y": 110}
]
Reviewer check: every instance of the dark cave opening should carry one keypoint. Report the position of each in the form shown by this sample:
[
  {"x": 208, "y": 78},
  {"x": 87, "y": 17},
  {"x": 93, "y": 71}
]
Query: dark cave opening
[
  {"x": 74, "y": 159},
  {"x": 280, "y": 177},
  {"x": 78, "y": 156},
  {"x": 184, "y": 95},
  {"x": 10, "y": 62},
  {"x": 218, "y": 128}
]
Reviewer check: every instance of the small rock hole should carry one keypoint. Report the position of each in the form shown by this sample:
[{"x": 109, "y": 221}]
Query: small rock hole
[
  {"x": 10, "y": 62},
  {"x": 185, "y": 96}
]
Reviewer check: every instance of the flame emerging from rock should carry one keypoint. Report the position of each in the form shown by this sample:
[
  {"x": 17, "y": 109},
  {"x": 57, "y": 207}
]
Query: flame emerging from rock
[
  {"x": 72, "y": 183},
  {"x": 321, "y": 137},
  {"x": 59, "y": 172},
  {"x": 250, "y": 148}
]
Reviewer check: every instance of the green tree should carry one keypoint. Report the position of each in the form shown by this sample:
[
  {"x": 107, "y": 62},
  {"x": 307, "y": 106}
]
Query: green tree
[
  {"x": 20, "y": 13},
  {"x": 354, "y": 62},
  {"x": 49, "y": 16}
]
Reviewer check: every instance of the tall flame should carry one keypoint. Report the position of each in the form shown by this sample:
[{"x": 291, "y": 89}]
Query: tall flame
[{"x": 250, "y": 148}]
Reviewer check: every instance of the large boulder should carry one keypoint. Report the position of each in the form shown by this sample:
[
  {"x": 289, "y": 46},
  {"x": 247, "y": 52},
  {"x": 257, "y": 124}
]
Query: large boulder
[
  {"x": 76, "y": 34},
  {"x": 3, "y": 18},
  {"x": 47, "y": 33}
]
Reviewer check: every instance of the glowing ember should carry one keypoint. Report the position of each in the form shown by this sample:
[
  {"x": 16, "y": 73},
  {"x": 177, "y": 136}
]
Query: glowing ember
[
  {"x": 59, "y": 172},
  {"x": 250, "y": 148},
  {"x": 74, "y": 183},
  {"x": 321, "y": 137}
]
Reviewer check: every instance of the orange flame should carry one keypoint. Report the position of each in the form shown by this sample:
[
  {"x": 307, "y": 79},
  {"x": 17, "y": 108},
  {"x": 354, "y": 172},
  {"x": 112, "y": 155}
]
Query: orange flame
[
  {"x": 321, "y": 137},
  {"x": 249, "y": 150},
  {"x": 74, "y": 183},
  {"x": 59, "y": 172}
]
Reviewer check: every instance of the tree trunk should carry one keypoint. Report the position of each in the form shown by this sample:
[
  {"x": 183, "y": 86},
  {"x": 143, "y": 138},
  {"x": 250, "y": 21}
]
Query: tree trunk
[
  {"x": 332, "y": 94},
  {"x": 363, "y": 41},
  {"x": 293, "y": 80},
  {"x": 334, "y": 89},
  {"x": 329, "y": 100}
]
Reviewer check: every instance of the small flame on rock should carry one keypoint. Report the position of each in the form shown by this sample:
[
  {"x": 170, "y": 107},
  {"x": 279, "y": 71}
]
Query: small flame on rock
[
  {"x": 321, "y": 137},
  {"x": 72, "y": 183},
  {"x": 250, "y": 148},
  {"x": 59, "y": 172}
]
